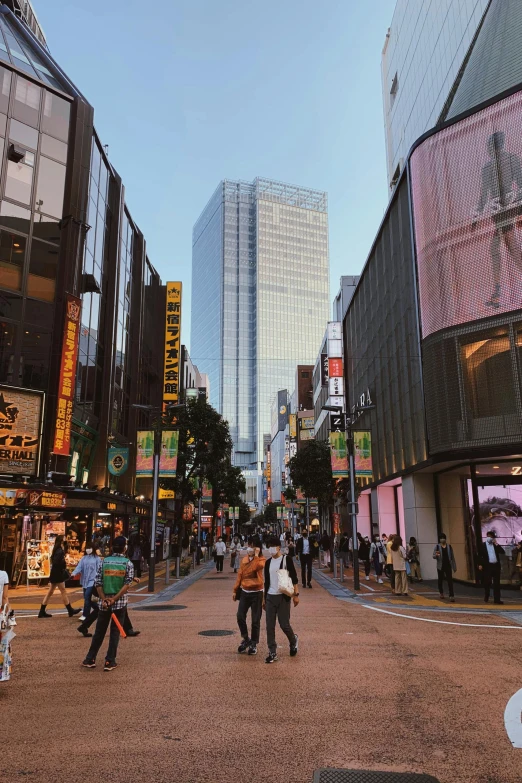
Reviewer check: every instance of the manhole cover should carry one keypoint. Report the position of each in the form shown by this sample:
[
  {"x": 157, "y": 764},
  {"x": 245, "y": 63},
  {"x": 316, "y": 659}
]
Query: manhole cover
[
  {"x": 365, "y": 776},
  {"x": 160, "y": 608},
  {"x": 216, "y": 633}
]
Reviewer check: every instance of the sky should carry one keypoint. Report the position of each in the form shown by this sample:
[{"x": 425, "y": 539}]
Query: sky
[{"x": 189, "y": 92}]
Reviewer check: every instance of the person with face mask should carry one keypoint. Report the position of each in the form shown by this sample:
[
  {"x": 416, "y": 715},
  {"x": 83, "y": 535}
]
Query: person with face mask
[
  {"x": 221, "y": 550},
  {"x": 378, "y": 556},
  {"x": 249, "y": 589},
  {"x": 446, "y": 565},
  {"x": 304, "y": 553},
  {"x": 87, "y": 568},
  {"x": 277, "y": 605},
  {"x": 364, "y": 555},
  {"x": 489, "y": 566}
]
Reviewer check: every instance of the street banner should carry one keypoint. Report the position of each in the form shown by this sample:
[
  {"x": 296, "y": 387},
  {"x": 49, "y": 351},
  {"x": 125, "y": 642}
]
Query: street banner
[
  {"x": 144, "y": 453},
  {"x": 168, "y": 454},
  {"x": 66, "y": 383},
  {"x": 118, "y": 460},
  {"x": 339, "y": 455},
  {"x": 292, "y": 426},
  {"x": 324, "y": 369},
  {"x": 206, "y": 491},
  {"x": 362, "y": 444},
  {"x": 20, "y": 430},
  {"x": 172, "y": 344}
]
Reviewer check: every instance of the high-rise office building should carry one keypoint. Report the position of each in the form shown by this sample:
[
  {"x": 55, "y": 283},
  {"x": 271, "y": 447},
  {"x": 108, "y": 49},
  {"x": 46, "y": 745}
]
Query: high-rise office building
[
  {"x": 260, "y": 299},
  {"x": 425, "y": 49}
]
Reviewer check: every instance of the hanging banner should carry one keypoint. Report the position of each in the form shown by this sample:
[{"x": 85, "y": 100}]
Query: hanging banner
[
  {"x": 144, "y": 453},
  {"x": 20, "y": 428},
  {"x": 206, "y": 491},
  {"x": 339, "y": 455},
  {"x": 168, "y": 454},
  {"x": 64, "y": 409},
  {"x": 172, "y": 344},
  {"x": 362, "y": 445},
  {"x": 282, "y": 409},
  {"x": 324, "y": 369},
  {"x": 118, "y": 460},
  {"x": 335, "y": 368},
  {"x": 292, "y": 426}
]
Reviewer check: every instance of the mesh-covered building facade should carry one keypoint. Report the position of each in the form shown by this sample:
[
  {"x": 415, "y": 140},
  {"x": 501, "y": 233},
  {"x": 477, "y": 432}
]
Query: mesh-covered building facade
[{"x": 433, "y": 335}]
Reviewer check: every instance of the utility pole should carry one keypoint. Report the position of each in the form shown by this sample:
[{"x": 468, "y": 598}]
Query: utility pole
[{"x": 155, "y": 488}]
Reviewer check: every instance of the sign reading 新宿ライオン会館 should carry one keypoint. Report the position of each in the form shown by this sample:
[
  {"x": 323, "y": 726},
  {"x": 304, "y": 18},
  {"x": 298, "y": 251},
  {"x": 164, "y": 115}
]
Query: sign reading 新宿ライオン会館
[
  {"x": 64, "y": 409},
  {"x": 20, "y": 430},
  {"x": 172, "y": 344}
]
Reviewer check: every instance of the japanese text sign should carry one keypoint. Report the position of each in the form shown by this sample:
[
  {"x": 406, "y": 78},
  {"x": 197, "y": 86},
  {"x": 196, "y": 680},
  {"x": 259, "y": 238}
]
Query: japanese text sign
[
  {"x": 62, "y": 431},
  {"x": 172, "y": 344}
]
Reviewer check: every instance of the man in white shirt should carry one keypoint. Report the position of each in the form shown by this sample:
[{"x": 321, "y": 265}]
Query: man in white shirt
[
  {"x": 276, "y": 604},
  {"x": 221, "y": 550}
]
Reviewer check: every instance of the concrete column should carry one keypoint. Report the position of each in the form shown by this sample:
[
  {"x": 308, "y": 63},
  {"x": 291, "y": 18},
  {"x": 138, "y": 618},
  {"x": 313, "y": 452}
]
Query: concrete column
[{"x": 420, "y": 519}]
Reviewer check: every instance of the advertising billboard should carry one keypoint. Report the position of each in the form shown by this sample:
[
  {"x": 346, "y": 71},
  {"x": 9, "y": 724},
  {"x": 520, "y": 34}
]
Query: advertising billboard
[
  {"x": 467, "y": 207},
  {"x": 144, "y": 453},
  {"x": 169, "y": 454},
  {"x": 282, "y": 409},
  {"x": 172, "y": 344},
  {"x": 339, "y": 454},
  {"x": 362, "y": 448},
  {"x": 64, "y": 408},
  {"x": 20, "y": 430}
]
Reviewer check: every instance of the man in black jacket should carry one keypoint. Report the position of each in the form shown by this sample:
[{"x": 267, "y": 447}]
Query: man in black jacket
[
  {"x": 489, "y": 565},
  {"x": 276, "y": 604},
  {"x": 304, "y": 553}
]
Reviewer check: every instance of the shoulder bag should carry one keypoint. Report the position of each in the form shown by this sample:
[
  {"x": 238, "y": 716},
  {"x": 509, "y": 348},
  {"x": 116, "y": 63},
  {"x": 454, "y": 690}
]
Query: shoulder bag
[{"x": 284, "y": 582}]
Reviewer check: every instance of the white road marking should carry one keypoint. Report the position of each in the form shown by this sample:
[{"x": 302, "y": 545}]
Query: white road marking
[
  {"x": 513, "y": 719},
  {"x": 368, "y": 587},
  {"x": 441, "y": 622}
]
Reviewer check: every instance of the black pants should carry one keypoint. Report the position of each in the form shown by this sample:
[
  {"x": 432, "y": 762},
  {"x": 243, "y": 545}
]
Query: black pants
[
  {"x": 278, "y": 606},
  {"x": 447, "y": 574},
  {"x": 137, "y": 568},
  {"x": 306, "y": 566},
  {"x": 219, "y": 562},
  {"x": 391, "y": 573},
  {"x": 102, "y": 623},
  {"x": 492, "y": 574},
  {"x": 127, "y": 625},
  {"x": 254, "y": 602},
  {"x": 367, "y": 567}
]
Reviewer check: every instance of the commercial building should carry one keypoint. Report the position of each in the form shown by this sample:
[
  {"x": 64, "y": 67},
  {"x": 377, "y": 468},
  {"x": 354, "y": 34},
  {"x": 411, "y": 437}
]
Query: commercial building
[
  {"x": 259, "y": 299},
  {"x": 82, "y": 334},
  {"x": 433, "y": 333},
  {"x": 425, "y": 48}
]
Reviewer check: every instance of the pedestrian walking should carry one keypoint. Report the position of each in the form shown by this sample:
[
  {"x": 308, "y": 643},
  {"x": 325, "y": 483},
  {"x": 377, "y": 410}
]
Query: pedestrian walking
[
  {"x": 343, "y": 549},
  {"x": 489, "y": 564},
  {"x": 135, "y": 553},
  {"x": 277, "y": 604},
  {"x": 378, "y": 557},
  {"x": 389, "y": 560},
  {"x": 305, "y": 558},
  {"x": 220, "y": 550},
  {"x": 291, "y": 547},
  {"x": 413, "y": 559},
  {"x": 446, "y": 565},
  {"x": 235, "y": 550},
  {"x": 113, "y": 579},
  {"x": 87, "y": 569},
  {"x": 248, "y": 589},
  {"x": 364, "y": 555},
  {"x": 326, "y": 545},
  {"x": 398, "y": 556},
  {"x": 57, "y": 578}
]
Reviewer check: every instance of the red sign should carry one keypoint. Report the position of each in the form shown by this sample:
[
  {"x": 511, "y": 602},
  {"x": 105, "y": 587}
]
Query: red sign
[
  {"x": 64, "y": 409},
  {"x": 335, "y": 368}
]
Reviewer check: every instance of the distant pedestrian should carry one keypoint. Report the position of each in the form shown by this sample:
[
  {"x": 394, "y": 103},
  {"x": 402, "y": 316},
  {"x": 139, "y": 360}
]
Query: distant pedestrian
[
  {"x": 57, "y": 579},
  {"x": 135, "y": 553},
  {"x": 398, "y": 555},
  {"x": 389, "y": 560},
  {"x": 305, "y": 558},
  {"x": 113, "y": 579},
  {"x": 221, "y": 550},
  {"x": 87, "y": 569},
  {"x": 413, "y": 559},
  {"x": 364, "y": 555},
  {"x": 489, "y": 564},
  {"x": 249, "y": 590},
  {"x": 326, "y": 546},
  {"x": 291, "y": 547},
  {"x": 235, "y": 550},
  {"x": 276, "y": 604},
  {"x": 378, "y": 557},
  {"x": 446, "y": 566},
  {"x": 343, "y": 549}
]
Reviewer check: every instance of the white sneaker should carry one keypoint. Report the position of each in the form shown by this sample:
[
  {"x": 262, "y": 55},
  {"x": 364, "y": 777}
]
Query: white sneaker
[
  {"x": 380, "y": 581},
  {"x": 82, "y": 618},
  {"x": 367, "y": 578}
]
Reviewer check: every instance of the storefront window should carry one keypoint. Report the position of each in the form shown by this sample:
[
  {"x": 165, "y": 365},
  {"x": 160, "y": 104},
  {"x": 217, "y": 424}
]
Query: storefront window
[
  {"x": 19, "y": 181},
  {"x": 27, "y": 102},
  {"x": 50, "y": 187},
  {"x": 42, "y": 271},
  {"x": 12, "y": 254},
  {"x": 488, "y": 377}
]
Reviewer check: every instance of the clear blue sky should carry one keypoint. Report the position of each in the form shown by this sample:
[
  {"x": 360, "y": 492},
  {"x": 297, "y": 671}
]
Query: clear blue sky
[{"x": 189, "y": 92}]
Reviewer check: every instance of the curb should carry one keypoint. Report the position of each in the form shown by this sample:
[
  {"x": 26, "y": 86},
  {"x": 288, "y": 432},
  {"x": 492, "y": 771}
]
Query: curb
[{"x": 173, "y": 590}]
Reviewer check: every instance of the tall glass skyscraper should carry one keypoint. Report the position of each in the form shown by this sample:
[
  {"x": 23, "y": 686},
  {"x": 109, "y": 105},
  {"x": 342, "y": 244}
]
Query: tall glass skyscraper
[{"x": 260, "y": 299}]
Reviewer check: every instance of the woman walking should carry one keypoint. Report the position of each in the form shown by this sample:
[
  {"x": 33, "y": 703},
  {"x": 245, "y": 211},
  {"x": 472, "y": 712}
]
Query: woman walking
[
  {"x": 87, "y": 568},
  {"x": 413, "y": 559},
  {"x": 378, "y": 556},
  {"x": 277, "y": 604},
  {"x": 235, "y": 549},
  {"x": 364, "y": 555},
  {"x": 57, "y": 579},
  {"x": 398, "y": 557}
]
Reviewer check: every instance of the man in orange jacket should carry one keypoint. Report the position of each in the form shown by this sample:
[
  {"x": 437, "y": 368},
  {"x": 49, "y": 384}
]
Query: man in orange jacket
[{"x": 249, "y": 589}]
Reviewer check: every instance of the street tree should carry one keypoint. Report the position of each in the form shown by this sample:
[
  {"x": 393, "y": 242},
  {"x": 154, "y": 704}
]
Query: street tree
[{"x": 311, "y": 470}]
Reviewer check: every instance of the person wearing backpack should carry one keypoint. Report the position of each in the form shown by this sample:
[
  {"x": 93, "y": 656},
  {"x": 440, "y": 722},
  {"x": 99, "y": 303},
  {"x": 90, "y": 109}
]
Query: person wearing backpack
[
  {"x": 277, "y": 603},
  {"x": 113, "y": 578}
]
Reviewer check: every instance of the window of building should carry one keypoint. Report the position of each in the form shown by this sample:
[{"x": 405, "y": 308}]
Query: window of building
[
  {"x": 7, "y": 350},
  {"x": 50, "y": 187},
  {"x": 5, "y": 88},
  {"x": 54, "y": 148},
  {"x": 43, "y": 264},
  {"x": 10, "y": 306},
  {"x": 56, "y": 113},
  {"x": 12, "y": 254},
  {"x": 19, "y": 181},
  {"x": 394, "y": 89},
  {"x": 488, "y": 377},
  {"x": 34, "y": 357},
  {"x": 24, "y": 134},
  {"x": 15, "y": 217},
  {"x": 27, "y": 102},
  {"x": 46, "y": 228},
  {"x": 39, "y": 313}
]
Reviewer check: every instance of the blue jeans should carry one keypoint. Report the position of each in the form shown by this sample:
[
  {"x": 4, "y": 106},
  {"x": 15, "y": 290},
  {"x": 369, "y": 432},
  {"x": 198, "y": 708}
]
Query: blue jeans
[{"x": 88, "y": 605}]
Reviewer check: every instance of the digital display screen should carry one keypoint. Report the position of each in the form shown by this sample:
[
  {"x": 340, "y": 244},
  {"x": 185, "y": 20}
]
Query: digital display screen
[{"x": 467, "y": 208}]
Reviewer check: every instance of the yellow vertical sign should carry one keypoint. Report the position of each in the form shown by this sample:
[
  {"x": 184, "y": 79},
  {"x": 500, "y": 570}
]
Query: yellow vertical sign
[{"x": 172, "y": 344}]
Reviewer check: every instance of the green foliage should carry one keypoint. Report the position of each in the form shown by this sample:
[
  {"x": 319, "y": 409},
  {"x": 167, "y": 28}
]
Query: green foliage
[
  {"x": 290, "y": 494},
  {"x": 270, "y": 514},
  {"x": 311, "y": 469},
  {"x": 244, "y": 513}
]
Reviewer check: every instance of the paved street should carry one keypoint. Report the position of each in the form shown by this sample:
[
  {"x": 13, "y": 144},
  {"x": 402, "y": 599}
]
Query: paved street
[{"x": 368, "y": 689}]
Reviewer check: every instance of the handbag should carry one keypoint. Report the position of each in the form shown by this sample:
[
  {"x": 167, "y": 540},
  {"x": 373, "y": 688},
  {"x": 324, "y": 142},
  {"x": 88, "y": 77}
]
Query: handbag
[
  {"x": 66, "y": 575},
  {"x": 284, "y": 582}
]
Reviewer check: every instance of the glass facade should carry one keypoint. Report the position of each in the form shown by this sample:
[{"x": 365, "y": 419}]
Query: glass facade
[
  {"x": 260, "y": 299},
  {"x": 424, "y": 51}
]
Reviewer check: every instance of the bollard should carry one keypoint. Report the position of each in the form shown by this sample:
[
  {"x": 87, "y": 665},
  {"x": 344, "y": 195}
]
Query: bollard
[
  {"x": 335, "y": 566},
  {"x": 167, "y": 570},
  {"x": 341, "y": 574},
  {"x": 177, "y": 566}
]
